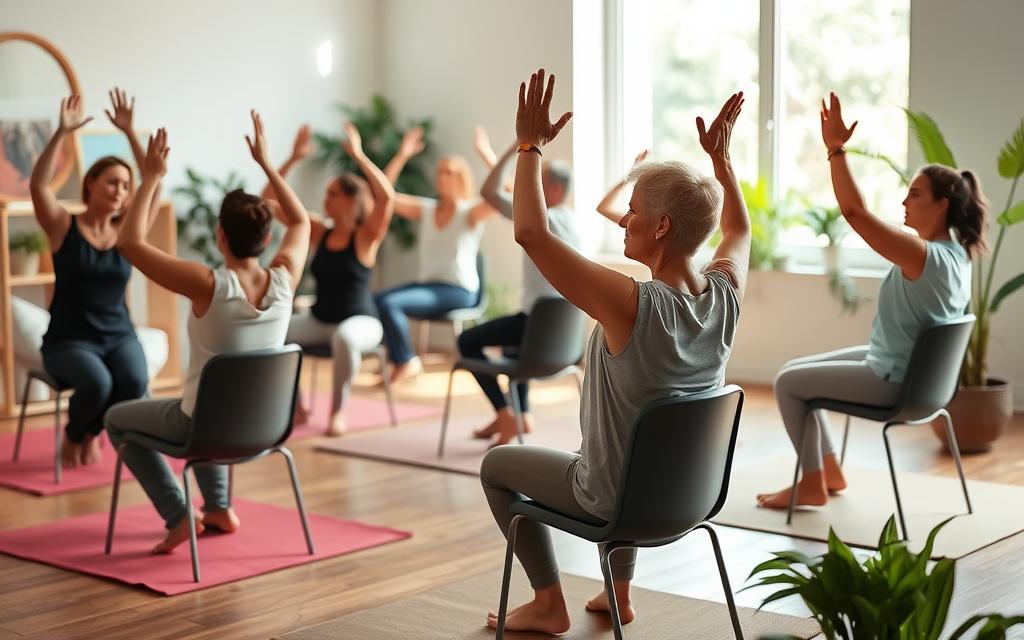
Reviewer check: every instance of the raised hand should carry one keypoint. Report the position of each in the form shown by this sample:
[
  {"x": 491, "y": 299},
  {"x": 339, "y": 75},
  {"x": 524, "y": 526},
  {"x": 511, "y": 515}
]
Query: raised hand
[
  {"x": 257, "y": 144},
  {"x": 833, "y": 132},
  {"x": 481, "y": 142},
  {"x": 353, "y": 142},
  {"x": 124, "y": 109},
  {"x": 533, "y": 119},
  {"x": 71, "y": 115},
  {"x": 640, "y": 157},
  {"x": 412, "y": 142},
  {"x": 155, "y": 164},
  {"x": 715, "y": 139},
  {"x": 302, "y": 146}
]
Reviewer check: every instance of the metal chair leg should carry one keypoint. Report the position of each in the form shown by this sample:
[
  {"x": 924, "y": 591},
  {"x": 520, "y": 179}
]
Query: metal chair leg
[
  {"x": 796, "y": 473},
  {"x": 114, "y": 495},
  {"x": 312, "y": 387},
  {"x": 190, "y": 516},
  {"x": 904, "y": 535},
  {"x": 609, "y": 588},
  {"x": 506, "y": 576},
  {"x": 447, "y": 410},
  {"x": 58, "y": 457},
  {"x": 297, "y": 488},
  {"x": 382, "y": 355},
  {"x": 954, "y": 448},
  {"x": 733, "y": 614},
  {"x": 21, "y": 419},
  {"x": 513, "y": 394},
  {"x": 846, "y": 437}
]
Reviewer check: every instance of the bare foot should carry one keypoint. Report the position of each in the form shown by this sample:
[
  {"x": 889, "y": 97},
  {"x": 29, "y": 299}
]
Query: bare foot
[
  {"x": 337, "y": 427},
  {"x": 406, "y": 370},
  {"x": 91, "y": 451},
  {"x": 70, "y": 453},
  {"x": 537, "y": 615},
  {"x": 810, "y": 491},
  {"x": 301, "y": 413},
  {"x": 508, "y": 429},
  {"x": 176, "y": 536},
  {"x": 224, "y": 520},
  {"x": 485, "y": 433},
  {"x": 600, "y": 603},
  {"x": 835, "y": 481}
]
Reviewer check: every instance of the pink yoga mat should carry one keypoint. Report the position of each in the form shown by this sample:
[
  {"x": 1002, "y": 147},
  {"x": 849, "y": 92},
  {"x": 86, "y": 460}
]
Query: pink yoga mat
[
  {"x": 33, "y": 473},
  {"x": 270, "y": 538},
  {"x": 364, "y": 413}
]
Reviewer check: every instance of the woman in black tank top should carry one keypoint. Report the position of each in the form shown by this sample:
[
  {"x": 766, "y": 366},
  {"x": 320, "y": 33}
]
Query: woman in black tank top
[
  {"x": 90, "y": 344},
  {"x": 344, "y": 315}
]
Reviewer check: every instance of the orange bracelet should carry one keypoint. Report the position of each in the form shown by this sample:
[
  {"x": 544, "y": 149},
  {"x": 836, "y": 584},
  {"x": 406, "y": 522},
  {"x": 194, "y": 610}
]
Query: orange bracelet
[{"x": 525, "y": 146}]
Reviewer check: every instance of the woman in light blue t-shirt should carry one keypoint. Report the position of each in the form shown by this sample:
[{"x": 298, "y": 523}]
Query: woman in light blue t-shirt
[{"x": 929, "y": 282}]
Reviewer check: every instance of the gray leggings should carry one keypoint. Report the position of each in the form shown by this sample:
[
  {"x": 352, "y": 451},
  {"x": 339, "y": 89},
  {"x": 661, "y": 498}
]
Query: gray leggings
[
  {"x": 163, "y": 419},
  {"x": 838, "y": 375},
  {"x": 512, "y": 473}
]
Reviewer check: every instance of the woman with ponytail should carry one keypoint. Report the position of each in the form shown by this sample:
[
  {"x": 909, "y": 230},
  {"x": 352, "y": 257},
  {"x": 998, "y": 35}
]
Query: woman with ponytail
[{"x": 929, "y": 282}]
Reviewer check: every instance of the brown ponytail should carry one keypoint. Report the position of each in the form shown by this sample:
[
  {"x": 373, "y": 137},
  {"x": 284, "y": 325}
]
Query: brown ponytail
[
  {"x": 245, "y": 219},
  {"x": 968, "y": 208}
]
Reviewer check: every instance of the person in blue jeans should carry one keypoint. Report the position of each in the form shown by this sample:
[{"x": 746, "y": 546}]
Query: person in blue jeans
[{"x": 449, "y": 239}]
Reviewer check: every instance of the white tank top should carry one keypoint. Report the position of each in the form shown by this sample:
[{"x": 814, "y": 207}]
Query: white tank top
[{"x": 449, "y": 255}]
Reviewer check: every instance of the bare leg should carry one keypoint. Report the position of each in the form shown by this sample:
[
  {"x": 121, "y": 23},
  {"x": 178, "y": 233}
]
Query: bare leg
[
  {"x": 600, "y": 602},
  {"x": 546, "y": 613}
]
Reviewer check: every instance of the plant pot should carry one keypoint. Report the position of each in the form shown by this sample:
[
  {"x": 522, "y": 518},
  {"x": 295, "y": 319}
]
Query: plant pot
[
  {"x": 832, "y": 258},
  {"x": 980, "y": 416},
  {"x": 24, "y": 263}
]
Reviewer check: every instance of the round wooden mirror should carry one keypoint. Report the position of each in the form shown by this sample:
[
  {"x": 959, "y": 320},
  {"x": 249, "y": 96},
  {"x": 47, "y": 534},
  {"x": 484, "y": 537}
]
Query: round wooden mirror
[{"x": 34, "y": 76}]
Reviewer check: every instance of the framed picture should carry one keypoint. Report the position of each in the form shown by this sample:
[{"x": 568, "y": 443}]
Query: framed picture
[
  {"x": 98, "y": 143},
  {"x": 21, "y": 143}
]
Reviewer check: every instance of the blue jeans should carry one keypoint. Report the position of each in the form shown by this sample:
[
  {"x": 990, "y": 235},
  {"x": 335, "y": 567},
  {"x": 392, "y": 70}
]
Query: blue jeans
[
  {"x": 506, "y": 332},
  {"x": 425, "y": 300}
]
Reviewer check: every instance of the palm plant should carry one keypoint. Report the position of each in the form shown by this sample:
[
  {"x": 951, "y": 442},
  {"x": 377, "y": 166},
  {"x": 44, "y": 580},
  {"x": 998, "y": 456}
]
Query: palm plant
[{"x": 768, "y": 220}]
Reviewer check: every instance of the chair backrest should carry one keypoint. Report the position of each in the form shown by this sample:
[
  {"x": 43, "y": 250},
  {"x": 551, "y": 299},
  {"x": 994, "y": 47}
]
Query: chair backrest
[
  {"x": 245, "y": 403},
  {"x": 676, "y": 471},
  {"x": 933, "y": 372},
  {"x": 552, "y": 339}
]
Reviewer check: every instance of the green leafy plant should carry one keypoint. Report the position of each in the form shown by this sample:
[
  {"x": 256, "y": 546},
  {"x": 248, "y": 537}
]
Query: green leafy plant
[
  {"x": 844, "y": 289},
  {"x": 28, "y": 242},
  {"x": 828, "y": 222},
  {"x": 889, "y": 596},
  {"x": 984, "y": 301},
  {"x": 197, "y": 226},
  {"x": 382, "y": 135},
  {"x": 768, "y": 219}
]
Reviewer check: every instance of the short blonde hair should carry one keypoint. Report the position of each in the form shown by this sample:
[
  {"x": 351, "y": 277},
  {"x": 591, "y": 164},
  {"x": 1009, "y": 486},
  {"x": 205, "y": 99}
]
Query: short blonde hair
[
  {"x": 461, "y": 168},
  {"x": 691, "y": 200}
]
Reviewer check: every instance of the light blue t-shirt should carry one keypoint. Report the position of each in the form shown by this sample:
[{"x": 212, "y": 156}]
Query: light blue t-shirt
[{"x": 905, "y": 307}]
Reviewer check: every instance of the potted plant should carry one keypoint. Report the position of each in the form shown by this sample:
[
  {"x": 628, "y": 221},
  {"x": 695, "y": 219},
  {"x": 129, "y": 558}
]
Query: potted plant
[
  {"x": 828, "y": 222},
  {"x": 25, "y": 249},
  {"x": 983, "y": 406},
  {"x": 768, "y": 220},
  {"x": 197, "y": 226},
  {"x": 891, "y": 595}
]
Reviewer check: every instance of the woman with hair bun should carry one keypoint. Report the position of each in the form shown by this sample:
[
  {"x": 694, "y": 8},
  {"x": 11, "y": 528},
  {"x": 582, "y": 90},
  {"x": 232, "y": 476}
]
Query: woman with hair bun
[{"x": 929, "y": 282}]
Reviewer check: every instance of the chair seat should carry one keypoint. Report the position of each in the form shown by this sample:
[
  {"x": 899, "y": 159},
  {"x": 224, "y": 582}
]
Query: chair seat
[
  {"x": 508, "y": 367},
  {"x": 596, "y": 530},
  {"x": 868, "y": 412},
  {"x": 317, "y": 350},
  {"x": 47, "y": 379},
  {"x": 173, "y": 449}
]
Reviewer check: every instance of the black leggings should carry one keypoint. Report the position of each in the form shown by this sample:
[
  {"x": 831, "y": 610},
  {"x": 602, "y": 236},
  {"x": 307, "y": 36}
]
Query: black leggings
[
  {"x": 506, "y": 332},
  {"x": 101, "y": 377}
]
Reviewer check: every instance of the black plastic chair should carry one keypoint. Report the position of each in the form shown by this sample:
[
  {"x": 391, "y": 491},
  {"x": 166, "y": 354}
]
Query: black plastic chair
[
  {"x": 552, "y": 346},
  {"x": 324, "y": 351},
  {"x": 675, "y": 477},
  {"x": 58, "y": 390},
  {"x": 932, "y": 377},
  {"x": 244, "y": 408},
  {"x": 458, "y": 317}
]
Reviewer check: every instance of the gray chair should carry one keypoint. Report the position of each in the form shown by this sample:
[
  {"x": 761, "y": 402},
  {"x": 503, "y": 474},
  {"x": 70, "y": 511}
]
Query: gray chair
[
  {"x": 324, "y": 351},
  {"x": 932, "y": 377},
  {"x": 552, "y": 346},
  {"x": 58, "y": 391},
  {"x": 244, "y": 408},
  {"x": 675, "y": 477},
  {"x": 458, "y": 317}
]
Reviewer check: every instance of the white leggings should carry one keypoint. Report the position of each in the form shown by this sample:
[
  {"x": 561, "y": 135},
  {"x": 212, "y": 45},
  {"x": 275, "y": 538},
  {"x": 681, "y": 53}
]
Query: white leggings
[
  {"x": 349, "y": 340},
  {"x": 838, "y": 375}
]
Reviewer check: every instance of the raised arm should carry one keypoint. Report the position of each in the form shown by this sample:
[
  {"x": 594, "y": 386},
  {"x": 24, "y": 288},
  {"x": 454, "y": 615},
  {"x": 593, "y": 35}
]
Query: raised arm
[
  {"x": 493, "y": 191},
  {"x": 906, "y": 251},
  {"x": 301, "y": 148},
  {"x": 734, "y": 249},
  {"x": 607, "y": 205},
  {"x": 190, "y": 279},
  {"x": 484, "y": 149},
  {"x": 295, "y": 244},
  {"x": 412, "y": 144},
  {"x": 375, "y": 226},
  {"x": 122, "y": 118},
  {"x": 52, "y": 217},
  {"x": 608, "y": 296}
]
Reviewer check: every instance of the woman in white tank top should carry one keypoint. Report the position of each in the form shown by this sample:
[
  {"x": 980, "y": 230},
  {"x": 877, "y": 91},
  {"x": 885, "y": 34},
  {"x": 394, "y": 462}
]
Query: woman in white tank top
[{"x": 241, "y": 306}]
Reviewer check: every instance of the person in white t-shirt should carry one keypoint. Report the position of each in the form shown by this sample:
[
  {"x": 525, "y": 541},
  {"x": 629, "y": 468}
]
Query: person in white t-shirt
[
  {"x": 241, "y": 306},
  {"x": 507, "y": 331}
]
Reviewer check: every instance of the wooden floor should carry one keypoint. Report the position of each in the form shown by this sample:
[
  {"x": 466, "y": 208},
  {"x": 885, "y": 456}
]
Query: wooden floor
[{"x": 454, "y": 536}]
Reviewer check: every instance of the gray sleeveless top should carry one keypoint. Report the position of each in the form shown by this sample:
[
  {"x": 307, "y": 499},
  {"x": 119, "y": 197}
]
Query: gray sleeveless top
[{"x": 680, "y": 345}]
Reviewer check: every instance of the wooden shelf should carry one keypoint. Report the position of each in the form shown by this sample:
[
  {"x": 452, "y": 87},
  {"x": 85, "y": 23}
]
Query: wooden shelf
[
  {"x": 36, "y": 279},
  {"x": 23, "y": 208}
]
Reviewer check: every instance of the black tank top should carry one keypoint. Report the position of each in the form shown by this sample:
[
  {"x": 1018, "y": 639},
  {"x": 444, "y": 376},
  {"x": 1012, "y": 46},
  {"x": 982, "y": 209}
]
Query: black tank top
[
  {"x": 342, "y": 284},
  {"x": 89, "y": 294}
]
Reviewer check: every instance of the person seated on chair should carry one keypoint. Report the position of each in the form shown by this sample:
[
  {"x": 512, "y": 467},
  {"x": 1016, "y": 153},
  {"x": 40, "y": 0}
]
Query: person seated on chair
[
  {"x": 449, "y": 239},
  {"x": 344, "y": 315},
  {"x": 507, "y": 331},
  {"x": 90, "y": 344},
  {"x": 667, "y": 337},
  {"x": 241, "y": 306},
  {"x": 929, "y": 282}
]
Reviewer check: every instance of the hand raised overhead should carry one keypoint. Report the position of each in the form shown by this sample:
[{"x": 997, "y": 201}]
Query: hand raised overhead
[
  {"x": 715, "y": 139},
  {"x": 833, "y": 132},
  {"x": 155, "y": 164},
  {"x": 412, "y": 142},
  {"x": 533, "y": 119},
  {"x": 124, "y": 109},
  {"x": 71, "y": 115},
  {"x": 257, "y": 143},
  {"x": 302, "y": 146},
  {"x": 353, "y": 142}
]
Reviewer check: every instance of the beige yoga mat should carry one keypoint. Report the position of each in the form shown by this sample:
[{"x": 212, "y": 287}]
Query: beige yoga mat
[
  {"x": 417, "y": 444},
  {"x": 860, "y": 512},
  {"x": 458, "y": 611}
]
